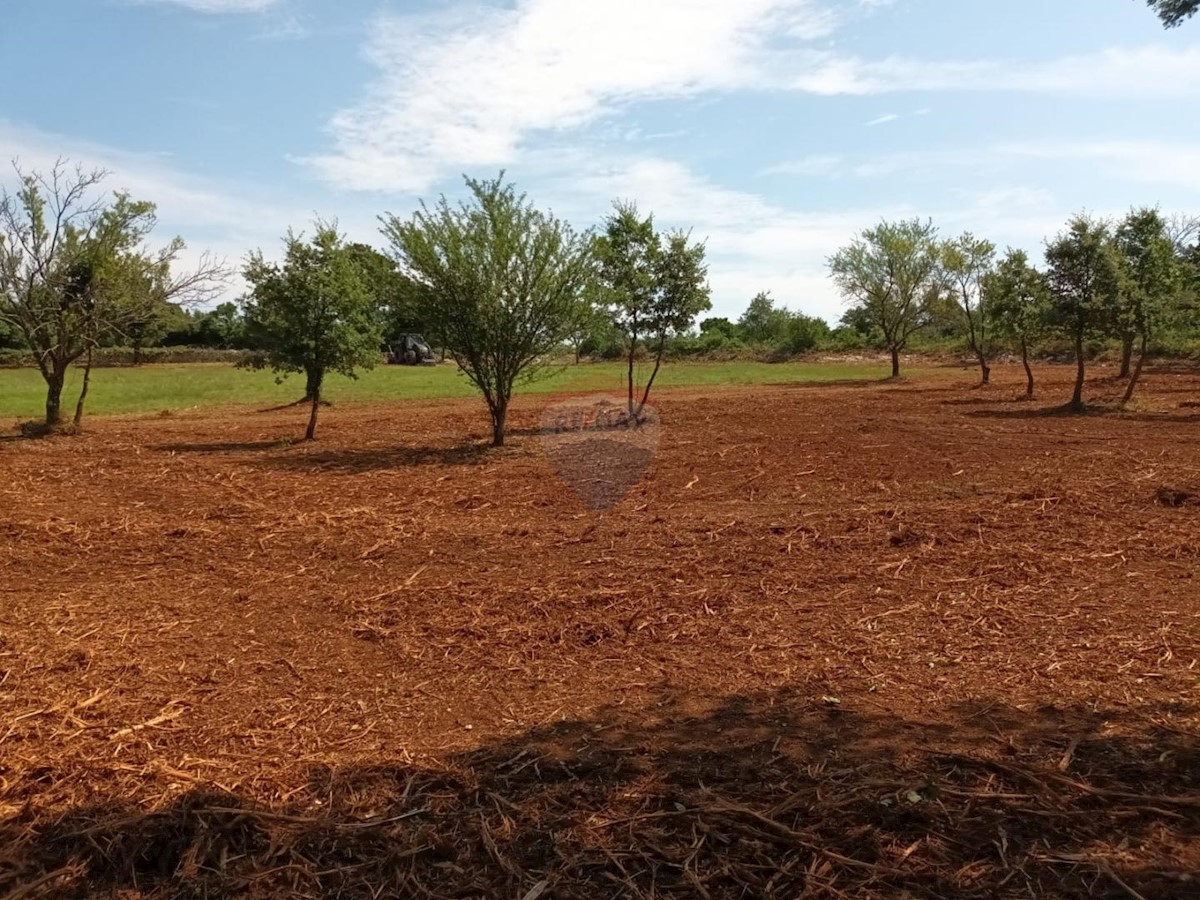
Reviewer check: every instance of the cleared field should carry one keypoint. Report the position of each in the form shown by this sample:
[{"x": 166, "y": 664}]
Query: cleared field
[
  {"x": 839, "y": 641},
  {"x": 181, "y": 387}
]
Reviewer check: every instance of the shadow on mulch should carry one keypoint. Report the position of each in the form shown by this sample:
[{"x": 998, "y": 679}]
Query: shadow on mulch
[
  {"x": 842, "y": 383},
  {"x": 1094, "y": 411},
  {"x": 767, "y": 796},
  {"x": 224, "y": 447},
  {"x": 350, "y": 460}
]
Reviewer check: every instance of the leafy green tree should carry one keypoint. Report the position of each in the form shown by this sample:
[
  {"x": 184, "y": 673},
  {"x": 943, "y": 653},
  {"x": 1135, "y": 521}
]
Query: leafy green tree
[
  {"x": 74, "y": 267},
  {"x": 966, "y": 262},
  {"x": 763, "y": 323},
  {"x": 313, "y": 313},
  {"x": 890, "y": 276},
  {"x": 1153, "y": 278},
  {"x": 1017, "y": 301},
  {"x": 719, "y": 325},
  {"x": 1083, "y": 271},
  {"x": 802, "y": 333},
  {"x": 148, "y": 326},
  {"x": 1174, "y": 12},
  {"x": 654, "y": 287},
  {"x": 498, "y": 281},
  {"x": 222, "y": 327}
]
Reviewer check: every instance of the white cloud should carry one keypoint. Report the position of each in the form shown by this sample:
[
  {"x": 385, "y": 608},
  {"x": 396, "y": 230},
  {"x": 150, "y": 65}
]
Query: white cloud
[
  {"x": 1152, "y": 71},
  {"x": 465, "y": 89},
  {"x": 214, "y": 6},
  {"x": 458, "y": 90},
  {"x": 882, "y": 120},
  {"x": 813, "y": 166}
]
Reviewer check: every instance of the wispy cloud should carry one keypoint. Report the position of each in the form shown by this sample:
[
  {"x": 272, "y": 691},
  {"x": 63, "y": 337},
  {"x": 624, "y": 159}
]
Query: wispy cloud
[
  {"x": 456, "y": 90},
  {"x": 1153, "y": 71},
  {"x": 882, "y": 120},
  {"x": 814, "y": 166}
]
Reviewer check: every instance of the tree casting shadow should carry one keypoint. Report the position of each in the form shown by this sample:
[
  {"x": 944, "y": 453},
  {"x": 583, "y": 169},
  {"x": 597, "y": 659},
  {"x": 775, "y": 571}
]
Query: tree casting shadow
[{"x": 771, "y": 796}]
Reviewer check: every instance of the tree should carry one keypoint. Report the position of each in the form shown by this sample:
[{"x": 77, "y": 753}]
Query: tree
[
  {"x": 148, "y": 326},
  {"x": 802, "y": 333},
  {"x": 74, "y": 267},
  {"x": 654, "y": 287},
  {"x": 763, "y": 322},
  {"x": 966, "y": 262},
  {"x": 314, "y": 313},
  {"x": 1174, "y": 12},
  {"x": 1152, "y": 278},
  {"x": 497, "y": 280},
  {"x": 890, "y": 276},
  {"x": 1084, "y": 275},
  {"x": 1017, "y": 301}
]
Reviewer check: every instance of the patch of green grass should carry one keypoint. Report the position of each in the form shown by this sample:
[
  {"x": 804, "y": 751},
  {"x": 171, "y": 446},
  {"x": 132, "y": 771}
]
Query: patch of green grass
[{"x": 153, "y": 388}]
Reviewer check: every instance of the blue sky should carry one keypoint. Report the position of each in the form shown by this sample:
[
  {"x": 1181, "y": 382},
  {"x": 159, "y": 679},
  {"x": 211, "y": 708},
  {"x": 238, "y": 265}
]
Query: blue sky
[{"x": 775, "y": 129}]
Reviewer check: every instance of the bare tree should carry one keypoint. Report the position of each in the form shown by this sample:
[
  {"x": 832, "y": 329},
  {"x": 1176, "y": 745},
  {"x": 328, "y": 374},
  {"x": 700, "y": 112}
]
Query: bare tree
[{"x": 74, "y": 268}]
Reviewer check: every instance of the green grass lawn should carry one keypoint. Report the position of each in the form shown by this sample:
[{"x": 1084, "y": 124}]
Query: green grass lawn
[{"x": 153, "y": 388}]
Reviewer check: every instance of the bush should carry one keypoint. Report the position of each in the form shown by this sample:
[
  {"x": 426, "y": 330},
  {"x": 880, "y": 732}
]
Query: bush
[{"x": 802, "y": 333}]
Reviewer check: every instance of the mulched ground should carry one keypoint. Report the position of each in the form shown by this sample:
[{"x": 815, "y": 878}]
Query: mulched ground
[{"x": 855, "y": 640}]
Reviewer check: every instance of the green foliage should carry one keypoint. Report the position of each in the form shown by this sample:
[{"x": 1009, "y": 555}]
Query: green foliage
[
  {"x": 1017, "y": 299},
  {"x": 75, "y": 271},
  {"x": 1084, "y": 275},
  {"x": 802, "y": 333},
  {"x": 314, "y": 312},
  {"x": 890, "y": 276},
  {"x": 498, "y": 282},
  {"x": 1174, "y": 12},
  {"x": 653, "y": 287},
  {"x": 966, "y": 262},
  {"x": 763, "y": 323},
  {"x": 1152, "y": 272}
]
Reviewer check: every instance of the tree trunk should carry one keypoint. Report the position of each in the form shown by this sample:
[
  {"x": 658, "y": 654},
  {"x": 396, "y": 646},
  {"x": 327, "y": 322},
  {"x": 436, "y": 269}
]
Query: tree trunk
[
  {"x": 1077, "y": 397},
  {"x": 1126, "y": 354},
  {"x": 895, "y": 362},
  {"x": 650, "y": 383},
  {"x": 1137, "y": 372},
  {"x": 137, "y": 354},
  {"x": 312, "y": 382},
  {"x": 83, "y": 391},
  {"x": 311, "y": 433},
  {"x": 632, "y": 412},
  {"x": 54, "y": 389},
  {"x": 499, "y": 411},
  {"x": 1028, "y": 370},
  {"x": 985, "y": 371}
]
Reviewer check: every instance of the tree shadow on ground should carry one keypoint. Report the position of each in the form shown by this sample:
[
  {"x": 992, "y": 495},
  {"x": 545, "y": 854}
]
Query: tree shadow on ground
[
  {"x": 840, "y": 383},
  {"x": 1092, "y": 411},
  {"x": 348, "y": 460},
  {"x": 226, "y": 446},
  {"x": 767, "y": 796}
]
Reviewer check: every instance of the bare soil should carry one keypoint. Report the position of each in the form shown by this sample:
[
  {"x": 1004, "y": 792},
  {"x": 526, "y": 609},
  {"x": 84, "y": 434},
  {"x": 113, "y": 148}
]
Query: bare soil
[{"x": 856, "y": 640}]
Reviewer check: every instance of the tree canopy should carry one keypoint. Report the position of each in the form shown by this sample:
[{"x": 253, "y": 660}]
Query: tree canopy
[
  {"x": 653, "y": 288},
  {"x": 314, "y": 312},
  {"x": 74, "y": 268},
  {"x": 1084, "y": 275},
  {"x": 890, "y": 274},
  {"x": 497, "y": 281},
  {"x": 1174, "y": 12}
]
